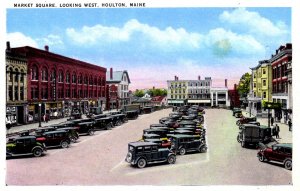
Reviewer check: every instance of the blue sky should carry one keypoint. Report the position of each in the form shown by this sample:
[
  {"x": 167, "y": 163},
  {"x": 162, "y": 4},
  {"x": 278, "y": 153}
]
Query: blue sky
[{"x": 154, "y": 44}]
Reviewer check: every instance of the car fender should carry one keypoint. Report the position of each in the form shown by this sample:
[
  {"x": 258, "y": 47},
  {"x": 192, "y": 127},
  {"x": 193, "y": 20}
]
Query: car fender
[
  {"x": 37, "y": 147},
  {"x": 287, "y": 159},
  {"x": 141, "y": 157}
]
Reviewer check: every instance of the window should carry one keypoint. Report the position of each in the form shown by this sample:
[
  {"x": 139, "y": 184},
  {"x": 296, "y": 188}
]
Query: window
[
  {"x": 44, "y": 74},
  {"x": 21, "y": 93},
  {"x": 68, "y": 77},
  {"x": 139, "y": 149},
  {"x": 80, "y": 79},
  {"x": 264, "y": 82},
  {"x": 34, "y": 73},
  {"x": 74, "y": 78},
  {"x": 147, "y": 149},
  {"x": 10, "y": 93},
  {"x": 265, "y": 94},
  {"x": 60, "y": 76},
  {"x": 264, "y": 71},
  {"x": 85, "y": 80},
  {"x": 254, "y": 85},
  {"x": 154, "y": 148}
]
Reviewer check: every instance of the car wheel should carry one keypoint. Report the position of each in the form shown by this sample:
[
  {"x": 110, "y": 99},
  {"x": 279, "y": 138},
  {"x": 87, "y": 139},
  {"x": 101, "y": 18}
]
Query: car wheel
[
  {"x": 141, "y": 163},
  {"x": 118, "y": 123},
  {"x": 91, "y": 132},
  {"x": 182, "y": 151},
  {"x": 203, "y": 149},
  {"x": 288, "y": 164},
  {"x": 37, "y": 152},
  {"x": 73, "y": 139},
  {"x": 238, "y": 123},
  {"x": 243, "y": 144},
  {"x": 238, "y": 139},
  {"x": 261, "y": 158},
  {"x": 64, "y": 144},
  {"x": 171, "y": 159},
  {"x": 108, "y": 126}
]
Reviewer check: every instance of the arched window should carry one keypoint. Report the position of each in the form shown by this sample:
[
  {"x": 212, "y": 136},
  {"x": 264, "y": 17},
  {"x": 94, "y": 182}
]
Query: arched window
[
  {"x": 52, "y": 76},
  {"x": 91, "y": 80},
  {"x": 68, "y": 77},
  {"x": 44, "y": 74},
  {"x": 34, "y": 73},
  {"x": 60, "y": 76},
  {"x": 74, "y": 78},
  {"x": 95, "y": 81},
  {"x": 85, "y": 79},
  {"x": 80, "y": 79}
]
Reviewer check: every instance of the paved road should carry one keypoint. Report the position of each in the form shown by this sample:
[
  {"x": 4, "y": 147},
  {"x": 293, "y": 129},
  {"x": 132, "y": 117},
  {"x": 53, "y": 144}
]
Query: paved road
[{"x": 99, "y": 160}]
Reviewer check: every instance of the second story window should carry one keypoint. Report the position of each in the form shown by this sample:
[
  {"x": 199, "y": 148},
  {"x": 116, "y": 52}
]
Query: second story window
[{"x": 34, "y": 73}]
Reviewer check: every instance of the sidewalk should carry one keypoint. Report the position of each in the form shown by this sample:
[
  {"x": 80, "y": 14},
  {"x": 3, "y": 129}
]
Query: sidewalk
[
  {"x": 43, "y": 124},
  {"x": 285, "y": 135}
]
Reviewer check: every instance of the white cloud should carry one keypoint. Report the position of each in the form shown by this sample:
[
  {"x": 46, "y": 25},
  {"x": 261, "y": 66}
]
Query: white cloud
[
  {"x": 254, "y": 22},
  {"x": 168, "y": 38},
  {"x": 51, "y": 40},
  {"x": 18, "y": 39},
  {"x": 243, "y": 44}
]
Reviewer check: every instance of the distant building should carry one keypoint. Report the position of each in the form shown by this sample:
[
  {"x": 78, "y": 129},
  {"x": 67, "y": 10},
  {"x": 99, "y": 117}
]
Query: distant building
[
  {"x": 16, "y": 87},
  {"x": 260, "y": 88},
  {"x": 57, "y": 84},
  {"x": 280, "y": 81},
  {"x": 219, "y": 96},
  {"x": 234, "y": 97},
  {"x": 191, "y": 92},
  {"x": 159, "y": 101},
  {"x": 118, "y": 89}
]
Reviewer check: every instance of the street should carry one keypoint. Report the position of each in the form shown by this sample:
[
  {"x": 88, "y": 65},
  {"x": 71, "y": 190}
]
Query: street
[{"x": 99, "y": 160}]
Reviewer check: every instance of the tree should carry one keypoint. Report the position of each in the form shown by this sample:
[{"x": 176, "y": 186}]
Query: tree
[
  {"x": 244, "y": 85},
  {"x": 139, "y": 93},
  {"x": 157, "y": 92}
]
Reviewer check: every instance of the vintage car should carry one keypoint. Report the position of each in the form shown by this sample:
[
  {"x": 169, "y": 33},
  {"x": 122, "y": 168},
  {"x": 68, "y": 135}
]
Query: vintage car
[
  {"x": 58, "y": 138},
  {"x": 40, "y": 131},
  {"x": 281, "y": 152},
  {"x": 163, "y": 142},
  {"x": 158, "y": 125},
  {"x": 151, "y": 136},
  {"x": 86, "y": 128},
  {"x": 25, "y": 145},
  {"x": 146, "y": 110},
  {"x": 244, "y": 120},
  {"x": 251, "y": 134},
  {"x": 103, "y": 123},
  {"x": 94, "y": 111},
  {"x": 182, "y": 143},
  {"x": 237, "y": 112},
  {"x": 72, "y": 132},
  {"x": 143, "y": 153},
  {"x": 134, "y": 114},
  {"x": 118, "y": 119},
  {"x": 161, "y": 132}
]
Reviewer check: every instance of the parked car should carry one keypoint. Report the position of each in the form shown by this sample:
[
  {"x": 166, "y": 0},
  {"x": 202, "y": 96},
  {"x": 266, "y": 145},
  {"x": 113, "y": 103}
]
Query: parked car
[
  {"x": 26, "y": 145},
  {"x": 118, "y": 119},
  {"x": 184, "y": 143},
  {"x": 244, "y": 120},
  {"x": 103, "y": 123},
  {"x": 72, "y": 132},
  {"x": 86, "y": 128},
  {"x": 163, "y": 142},
  {"x": 94, "y": 111},
  {"x": 253, "y": 134},
  {"x": 132, "y": 114},
  {"x": 281, "y": 152},
  {"x": 143, "y": 153},
  {"x": 161, "y": 132},
  {"x": 146, "y": 110},
  {"x": 237, "y": 112},
  {"x": 58, "y": 138}
]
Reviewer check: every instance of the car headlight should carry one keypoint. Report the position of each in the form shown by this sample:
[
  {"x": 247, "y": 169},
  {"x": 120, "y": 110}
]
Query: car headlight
[{"x": 129, "y": 157}]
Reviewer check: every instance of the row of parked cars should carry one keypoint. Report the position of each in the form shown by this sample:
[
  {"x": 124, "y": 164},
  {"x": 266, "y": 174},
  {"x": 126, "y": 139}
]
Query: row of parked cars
[
  {"x": 260, "y": 136},
  {"x": 181, "y": 132}
]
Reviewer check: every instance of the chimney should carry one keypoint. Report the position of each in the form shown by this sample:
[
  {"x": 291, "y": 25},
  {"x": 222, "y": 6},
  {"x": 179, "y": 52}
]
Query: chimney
[
  {"x": 226, "y": 83},
  {"x": 199, "y": 78},
  {"x": 175, "y": 78},
  {"x": 47, "y": 48},
  {"x": 153, "y": 87},
  {"x": 8, "y": 45},
  {"x": 111, "y": 73}
]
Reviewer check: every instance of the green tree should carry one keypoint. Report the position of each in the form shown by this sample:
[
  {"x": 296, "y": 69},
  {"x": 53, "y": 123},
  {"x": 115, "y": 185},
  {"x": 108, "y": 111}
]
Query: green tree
[
  {"x": 139, "y": 93},
  {"x": 157, "y": 92},
  {"x": 244, "y": 85}
]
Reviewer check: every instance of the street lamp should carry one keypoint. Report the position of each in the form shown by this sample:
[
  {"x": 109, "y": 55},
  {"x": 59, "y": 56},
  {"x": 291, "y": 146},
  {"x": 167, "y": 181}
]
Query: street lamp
[{"x": 40, "y": 125}]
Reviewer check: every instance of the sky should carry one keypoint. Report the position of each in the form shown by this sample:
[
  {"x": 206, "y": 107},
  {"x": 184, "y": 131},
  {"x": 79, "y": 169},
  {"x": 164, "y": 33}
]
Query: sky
[{"x": 155, "y": 44}]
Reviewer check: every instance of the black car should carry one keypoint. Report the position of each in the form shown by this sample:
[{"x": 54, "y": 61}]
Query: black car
[
  {"x": 72, "y": 132},
  {"x": 161, "y": 132},
  {"x": 86, "y": 128},
  {"x": 132, "y": 114},
  {"x": 58, "y": 138},
  {"x": 26, "y": 145},
  {"x": 183, "y": 143},
  {"x": 118, "y": 119},
  {"x": 143, "y": 153},
  {"x": 151, "y": 136},
  {"x": 251, "y": 134},
  {"x": 103, "y": 123}
]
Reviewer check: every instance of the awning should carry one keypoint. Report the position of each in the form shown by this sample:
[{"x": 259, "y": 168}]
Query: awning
[{"x": 199, "y": 101}]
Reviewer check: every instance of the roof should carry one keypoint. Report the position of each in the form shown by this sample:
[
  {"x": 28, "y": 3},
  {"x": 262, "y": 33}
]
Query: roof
[
  {"x": 136, "y": 144},
  {"x": 158, "y": 98},
  {"x": 117, "y": 76}
]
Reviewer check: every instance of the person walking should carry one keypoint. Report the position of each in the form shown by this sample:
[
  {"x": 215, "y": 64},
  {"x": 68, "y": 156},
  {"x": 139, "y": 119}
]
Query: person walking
[
  {"x": 272, "y": 121},
  {"x": 290, "y": 124},
  {"x": 277, "y": 130}
]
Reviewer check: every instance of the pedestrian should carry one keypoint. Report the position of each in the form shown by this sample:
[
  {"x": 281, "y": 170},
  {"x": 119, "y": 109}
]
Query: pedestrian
[
  {"x": 44, "y": 117},
  {"x": 272, "y": 121},
  {"x": 277, "y": 130},
  {"x": 290, "y": 124}
]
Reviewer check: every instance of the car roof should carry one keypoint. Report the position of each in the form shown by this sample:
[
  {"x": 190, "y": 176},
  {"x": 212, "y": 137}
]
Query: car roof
[
  {"x": 156, "y": 129},
  {"x": 25, "y": 137},
  {"x": 136, "y": 144},
  {"x": 57, "y": 131},
  {"x": 289, "y": 145},
  {"x": 87, "y": 122},
  {"x": 184, "y": 136},
  {"x": 250, "y": 125}
]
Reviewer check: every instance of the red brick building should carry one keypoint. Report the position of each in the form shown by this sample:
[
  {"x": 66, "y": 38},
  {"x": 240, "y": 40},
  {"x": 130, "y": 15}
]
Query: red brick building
[
  {"x": 279, "y": 62},
  {"x": 57, "y": 84},
  {"x": 234, "y": 97}
]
